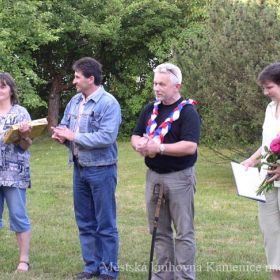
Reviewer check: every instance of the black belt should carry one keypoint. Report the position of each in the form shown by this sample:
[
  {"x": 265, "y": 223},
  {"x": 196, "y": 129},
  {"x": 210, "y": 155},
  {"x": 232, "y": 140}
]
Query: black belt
[
  {"x": 160, "y": 171},
  {"x": 75, "y": 160}
]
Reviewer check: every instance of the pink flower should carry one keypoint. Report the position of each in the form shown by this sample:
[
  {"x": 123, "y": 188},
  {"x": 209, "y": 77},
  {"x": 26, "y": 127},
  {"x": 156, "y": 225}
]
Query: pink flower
[
  {"x": 275, "y": 145},
  {"x": 270, "y": 156}
]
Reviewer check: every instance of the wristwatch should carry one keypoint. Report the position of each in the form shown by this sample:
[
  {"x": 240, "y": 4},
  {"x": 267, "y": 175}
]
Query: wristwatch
[{"x": 161, "y": 149}]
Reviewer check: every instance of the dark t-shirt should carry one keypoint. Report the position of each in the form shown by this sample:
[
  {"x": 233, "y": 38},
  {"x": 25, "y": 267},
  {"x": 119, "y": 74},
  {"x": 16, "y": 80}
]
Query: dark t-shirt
[{"x": 186, "y": 128}]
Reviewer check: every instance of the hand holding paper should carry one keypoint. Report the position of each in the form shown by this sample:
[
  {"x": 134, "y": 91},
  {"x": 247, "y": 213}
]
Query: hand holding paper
[
  {"x": 247, "y": 181},
  {"x": 23, "y": 130}
]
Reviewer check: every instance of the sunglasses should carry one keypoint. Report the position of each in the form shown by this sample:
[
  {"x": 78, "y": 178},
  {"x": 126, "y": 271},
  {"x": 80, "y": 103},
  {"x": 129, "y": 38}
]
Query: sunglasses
[{"x": 165, "y": 69}]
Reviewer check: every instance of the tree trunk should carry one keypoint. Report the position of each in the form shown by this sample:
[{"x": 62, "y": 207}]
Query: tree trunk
[{"x": 54, "y": 102}]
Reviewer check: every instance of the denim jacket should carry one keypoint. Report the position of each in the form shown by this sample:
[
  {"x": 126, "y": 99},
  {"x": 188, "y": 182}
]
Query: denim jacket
[{"x": 98, "y": 128}]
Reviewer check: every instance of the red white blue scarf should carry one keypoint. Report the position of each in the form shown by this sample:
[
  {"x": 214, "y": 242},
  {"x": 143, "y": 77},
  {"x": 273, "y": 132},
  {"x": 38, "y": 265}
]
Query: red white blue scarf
[{"x": 159, "y": 133}]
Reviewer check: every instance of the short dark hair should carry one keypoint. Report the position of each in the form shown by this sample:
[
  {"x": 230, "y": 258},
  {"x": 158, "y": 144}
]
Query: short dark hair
[
  {"x": 88, "y": 66},
  {"x": 270, "y": 73},
  {"x": 7, "y": 79}
]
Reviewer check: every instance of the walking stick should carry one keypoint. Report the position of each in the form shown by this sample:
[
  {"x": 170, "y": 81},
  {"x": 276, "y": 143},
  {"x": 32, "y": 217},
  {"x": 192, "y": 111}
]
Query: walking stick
[{"x": 157, "y": 212}]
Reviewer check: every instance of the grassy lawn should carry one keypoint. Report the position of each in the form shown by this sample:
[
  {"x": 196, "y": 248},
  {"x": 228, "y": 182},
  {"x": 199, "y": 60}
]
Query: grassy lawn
[{"x": 229, "y": 243}]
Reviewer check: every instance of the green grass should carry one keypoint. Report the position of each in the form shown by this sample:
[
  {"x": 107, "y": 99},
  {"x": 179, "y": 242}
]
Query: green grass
[{"x": 229, "y": 243}]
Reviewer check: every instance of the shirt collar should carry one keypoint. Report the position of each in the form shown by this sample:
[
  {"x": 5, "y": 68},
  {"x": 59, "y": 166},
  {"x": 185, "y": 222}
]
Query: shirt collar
[
  {"x": 272, "y": 104},
  {"x": 95, "y": 96}
]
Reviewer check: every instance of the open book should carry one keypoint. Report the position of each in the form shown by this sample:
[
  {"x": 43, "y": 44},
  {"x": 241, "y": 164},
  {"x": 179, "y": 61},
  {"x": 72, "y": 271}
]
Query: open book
[
  {"x": 37, "y": 127},
  {"x": 247, "y": 181}
]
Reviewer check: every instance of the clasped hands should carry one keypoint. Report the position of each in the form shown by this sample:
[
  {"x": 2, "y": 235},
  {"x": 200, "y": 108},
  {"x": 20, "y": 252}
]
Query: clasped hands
[
  {"x": 146, "y": 146},
  {"x": 60, "y": 134}
]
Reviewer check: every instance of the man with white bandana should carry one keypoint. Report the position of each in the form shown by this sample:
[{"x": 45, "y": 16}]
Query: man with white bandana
[{"x": 167, "y": 134}]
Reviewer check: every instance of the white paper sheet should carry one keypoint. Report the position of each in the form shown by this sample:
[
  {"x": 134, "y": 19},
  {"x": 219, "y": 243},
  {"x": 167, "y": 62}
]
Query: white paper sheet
[{"x": 247, "y": 181}]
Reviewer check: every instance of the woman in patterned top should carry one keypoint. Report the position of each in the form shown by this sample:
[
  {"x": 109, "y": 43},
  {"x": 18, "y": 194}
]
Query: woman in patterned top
[{"x": 14, "y": 167}]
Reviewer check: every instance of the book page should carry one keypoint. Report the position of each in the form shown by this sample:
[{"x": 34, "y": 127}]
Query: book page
[{"x": 247, "y": 181}]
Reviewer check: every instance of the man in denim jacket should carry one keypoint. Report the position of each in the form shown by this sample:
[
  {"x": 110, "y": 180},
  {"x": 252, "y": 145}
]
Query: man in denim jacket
[{"x": 89, "y": 128}]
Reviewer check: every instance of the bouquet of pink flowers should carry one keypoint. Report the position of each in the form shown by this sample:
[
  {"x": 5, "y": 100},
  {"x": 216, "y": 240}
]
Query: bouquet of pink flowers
[{"x": 272, "y": 158}]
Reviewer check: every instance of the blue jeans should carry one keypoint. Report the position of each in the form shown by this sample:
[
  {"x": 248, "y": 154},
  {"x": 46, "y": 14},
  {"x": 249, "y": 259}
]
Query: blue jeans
[
  {"x": 95, "y": 211},
  {"x": 16, "y": 202}
]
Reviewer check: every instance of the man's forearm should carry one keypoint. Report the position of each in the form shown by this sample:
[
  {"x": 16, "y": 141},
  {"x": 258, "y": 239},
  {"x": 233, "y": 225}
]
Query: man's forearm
[{"x": 179, "y": 149}]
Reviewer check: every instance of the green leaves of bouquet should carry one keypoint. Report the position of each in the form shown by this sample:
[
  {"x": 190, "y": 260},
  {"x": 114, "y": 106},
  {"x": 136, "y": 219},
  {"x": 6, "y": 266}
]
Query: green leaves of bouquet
[{"x": 271, "y": 158}]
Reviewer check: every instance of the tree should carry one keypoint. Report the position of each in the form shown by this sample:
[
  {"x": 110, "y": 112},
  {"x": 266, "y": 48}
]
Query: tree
[
  {"x": 23, "y": 30},
  {"x": 221, "y": 60},
  {"x": 128, "y": 37}
]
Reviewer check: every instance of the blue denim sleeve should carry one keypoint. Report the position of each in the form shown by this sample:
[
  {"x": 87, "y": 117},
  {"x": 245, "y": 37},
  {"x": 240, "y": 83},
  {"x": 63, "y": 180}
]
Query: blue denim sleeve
[{"x": 108, "y": 131}]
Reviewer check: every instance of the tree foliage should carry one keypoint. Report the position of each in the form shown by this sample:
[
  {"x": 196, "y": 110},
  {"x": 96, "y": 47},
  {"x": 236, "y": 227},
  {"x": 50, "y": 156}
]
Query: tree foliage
[
  {"x": 127, "y": 37},
  {"x": 40, "y": 40},
  {"x": 221, "y": 60},
  {"x": 24, "y": 28}
]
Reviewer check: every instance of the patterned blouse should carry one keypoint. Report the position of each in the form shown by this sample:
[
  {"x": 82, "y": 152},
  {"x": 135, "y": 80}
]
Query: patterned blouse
[{"x": 14, "y": 161}]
